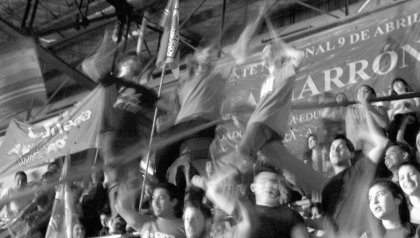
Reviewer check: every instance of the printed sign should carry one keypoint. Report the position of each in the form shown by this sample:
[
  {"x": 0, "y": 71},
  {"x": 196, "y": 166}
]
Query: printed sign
[
  {"x": 27, "y": 145},
  {"x": 372, "y": 49}
]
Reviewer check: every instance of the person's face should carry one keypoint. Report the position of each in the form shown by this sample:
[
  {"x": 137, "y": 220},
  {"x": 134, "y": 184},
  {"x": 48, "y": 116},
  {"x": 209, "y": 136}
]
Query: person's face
[
  {"x": 161, "y": 203},
  {"x": 96, "y": 177},
  {"x": 20, "y": 181},
  {"x": 104, "y": 220},
  {"x": 116, "y": 226},
  {"x": 266, "y": 189},
  {"x": 200, "y": 68},
  {"x": 267, "y": 55},
  {"x": 312, "y": 142},
  {"x": 409, "y": 179},
  {"x": 147, "y": 192},
  {"x": 203, "y": 68},
  {"x": 45, "y": 182},
  {"x": 394, "y": 156},
  {"x": 209, "y": 167},
  {"x": 399, "y": 87},
  {"x": 78, "y": 231},
  {"x": 339, "y": 152},
  {"x": 382, "y": 203},
  {"x": 201, "y": 64},
  {"x": 364, "y": 93},
  {"x": 194, "y": 222}
]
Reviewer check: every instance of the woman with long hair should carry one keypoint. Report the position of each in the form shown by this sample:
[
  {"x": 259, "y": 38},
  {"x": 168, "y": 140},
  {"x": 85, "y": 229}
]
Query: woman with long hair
[
  {"x": 389, "y": 207},
  {"x": 409, "y": 179},
  {"x": 315, "y": 154}
]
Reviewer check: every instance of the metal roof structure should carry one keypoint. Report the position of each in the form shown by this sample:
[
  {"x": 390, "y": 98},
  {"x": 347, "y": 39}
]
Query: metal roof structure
[{"x": 66, "y": 31}]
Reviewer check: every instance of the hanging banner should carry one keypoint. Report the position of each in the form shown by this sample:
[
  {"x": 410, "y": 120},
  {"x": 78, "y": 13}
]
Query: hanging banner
[
  {"x": 27, "y": 145},
  {"x": 372, "y": 49}
]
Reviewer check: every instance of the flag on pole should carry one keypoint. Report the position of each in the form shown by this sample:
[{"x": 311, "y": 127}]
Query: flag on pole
[
  {"x": 169, "y": 42},
  {"x": 166, "y": 17},
  {"x": 63, "y": 215}
]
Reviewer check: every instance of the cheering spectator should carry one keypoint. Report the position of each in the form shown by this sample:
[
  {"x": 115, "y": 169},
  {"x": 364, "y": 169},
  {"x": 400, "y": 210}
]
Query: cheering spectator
[
  {"x": 343, "y": 208},
  {"x": 403, "y": 113},
  {"x": 409, "y": 179},
  {"x": 37, "y": 214},
  {"x": 225, "y": 193},
  {"x": 104, "y": 222},
  {"x": 164, "y": 222},
  {"x": 15, "y": 199},
  {"x": 356, "y": 122},
  {"x": 270, "y": 118},
  {"x": 390, "y": 208},
  {"x": 274, "y": 220},
  {"x": 54, "y": 167},
  {"x": 268, "y": 218},
  {"x": 198, "y": 101},
  {"x": 197, "y": 220},
  {"x": 315, "y": 155},
  {"x": 117, "y": 226},
  {"x": 78, "y": 231},
  {"x": 93, "y": 201},
  {"x": 396, "y": 154}
]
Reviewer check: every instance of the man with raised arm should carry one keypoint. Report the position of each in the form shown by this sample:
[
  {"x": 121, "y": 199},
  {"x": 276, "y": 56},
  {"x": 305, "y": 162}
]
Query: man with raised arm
[
  {"x": 164, "y": 221},
  {"x": 344, "y": 203},
  {"x": 268, "y": 218},
  {"x": 270, "y": 118},
  {"x": 198, "y": 98}
]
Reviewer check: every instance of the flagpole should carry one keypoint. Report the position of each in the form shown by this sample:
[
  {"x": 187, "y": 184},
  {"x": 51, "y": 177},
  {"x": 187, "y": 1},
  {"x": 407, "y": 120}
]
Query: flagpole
[
  {"x": 141, "y": 33},
  {"x": 151, "y": 140},
  {"x": 140, "y": 40},
  {"x": 170, "y": 22}
]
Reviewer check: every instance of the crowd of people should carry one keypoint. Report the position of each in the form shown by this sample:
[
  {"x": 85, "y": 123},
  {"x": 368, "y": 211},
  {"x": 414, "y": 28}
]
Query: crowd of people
[{"x": 369, "y": 155}]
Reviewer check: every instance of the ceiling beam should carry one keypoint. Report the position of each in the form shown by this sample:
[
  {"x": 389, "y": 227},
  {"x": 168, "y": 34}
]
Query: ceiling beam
[
  {"x": 65, "y": 19},
  {"x": 62, "y": 43},
  {"x": 76, "y": 25},
  {"x": 51, "y": 58},
  {"x": 315, "y": 9},
  {"x": 215, "y": 12},
  {"x": 191, "y": 14}
]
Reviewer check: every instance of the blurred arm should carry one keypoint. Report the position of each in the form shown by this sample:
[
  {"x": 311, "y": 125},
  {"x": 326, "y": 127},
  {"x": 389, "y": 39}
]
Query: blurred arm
[
  {"x": 240, "y": 49},
  {"x": 379, "y": 115},
  {"x": 401, "y": 131},
  {"x": 125, "y": 206},
  {"x": 296, "y": 56},
  {"x": 376, "y": 135}
]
